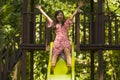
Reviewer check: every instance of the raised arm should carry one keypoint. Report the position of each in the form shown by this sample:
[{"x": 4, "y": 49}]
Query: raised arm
[
  {"x": 41, "y": 10},
  {"x": 80, "y": 4}
]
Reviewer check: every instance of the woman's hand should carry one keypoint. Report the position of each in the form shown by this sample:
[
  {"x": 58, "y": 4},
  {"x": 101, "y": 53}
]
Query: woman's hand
[
  {"x": 42, "y": 11},
  {"x": 80, "y": 4},
  {"x": 38, "y": 6}
]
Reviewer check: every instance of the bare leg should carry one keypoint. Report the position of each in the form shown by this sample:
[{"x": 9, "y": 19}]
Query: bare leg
[
  {"x": 54, "y": 59},
  {"x": 67, "y": 54}
]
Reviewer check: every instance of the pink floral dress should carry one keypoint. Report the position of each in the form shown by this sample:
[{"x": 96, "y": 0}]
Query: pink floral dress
[{"x": 61, "y": 40}]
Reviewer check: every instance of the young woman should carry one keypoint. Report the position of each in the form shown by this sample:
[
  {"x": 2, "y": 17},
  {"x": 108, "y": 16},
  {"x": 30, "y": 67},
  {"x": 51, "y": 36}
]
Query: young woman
[{"x": 61, "y": 42}]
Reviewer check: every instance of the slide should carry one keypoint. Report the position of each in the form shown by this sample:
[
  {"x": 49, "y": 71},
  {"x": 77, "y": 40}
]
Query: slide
[{"x": 61, "y": 68}]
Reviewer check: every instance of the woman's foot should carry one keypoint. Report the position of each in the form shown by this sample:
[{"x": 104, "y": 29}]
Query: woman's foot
[
  {"x": 69, "y": 70},
  {"x": 52, "y": 70}
]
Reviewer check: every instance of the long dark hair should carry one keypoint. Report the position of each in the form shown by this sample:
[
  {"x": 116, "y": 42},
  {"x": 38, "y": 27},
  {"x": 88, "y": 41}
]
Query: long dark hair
[{"x": 55, "y": 17}]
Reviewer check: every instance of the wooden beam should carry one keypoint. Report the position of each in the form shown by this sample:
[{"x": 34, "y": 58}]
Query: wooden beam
[
  {"x": 32, "y": 47},
  {"x": 81, "y": 47},
  {"x": 97, "y": 47}
]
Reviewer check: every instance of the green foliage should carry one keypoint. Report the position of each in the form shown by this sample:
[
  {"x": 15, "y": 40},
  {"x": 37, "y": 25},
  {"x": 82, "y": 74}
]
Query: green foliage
[
  {"x": 112, "y": 6},
  {"x": 112, "y": 61},
  {"x": 40, "y": 65},
  {"x": 10, "y": 18},
  {"x": 10, "y": 15}
]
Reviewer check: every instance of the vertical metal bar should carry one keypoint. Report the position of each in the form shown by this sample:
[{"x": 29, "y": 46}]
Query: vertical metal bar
[{"x": 100, "y": 65}]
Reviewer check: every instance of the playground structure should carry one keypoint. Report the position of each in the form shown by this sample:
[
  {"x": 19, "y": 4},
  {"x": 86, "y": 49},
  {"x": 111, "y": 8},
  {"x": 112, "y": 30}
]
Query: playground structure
[{"x": 94, "y": 39}]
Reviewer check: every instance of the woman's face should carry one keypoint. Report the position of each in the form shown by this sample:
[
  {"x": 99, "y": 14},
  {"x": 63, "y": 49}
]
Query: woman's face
[{"x": 60, "y": 17}]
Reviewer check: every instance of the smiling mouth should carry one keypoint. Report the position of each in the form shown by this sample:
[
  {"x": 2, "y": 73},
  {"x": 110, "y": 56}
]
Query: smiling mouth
[{"x": 60, "y": 18}]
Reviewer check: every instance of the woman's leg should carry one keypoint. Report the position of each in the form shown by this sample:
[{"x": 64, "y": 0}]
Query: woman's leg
[
  {"x": 68, "y": 57},
  {"x": 55, "y": 54},
  {"x": 54, "y": 59}
]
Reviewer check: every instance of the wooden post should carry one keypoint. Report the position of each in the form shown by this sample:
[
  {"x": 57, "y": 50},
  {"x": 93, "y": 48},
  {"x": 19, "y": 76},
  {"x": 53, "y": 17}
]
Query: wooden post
[
  {"x": 31, "y": 65},
  {"x": 6, "y": 68},
  {"x": 92, "y": 64},
  {"x": 23, "y": 65},
  {"x": 100, "y": 37},
  {"x": 100, "y": 67},
  {"x": 77, "y": 32},
  {"x": 100, "y": 33},
  {"x": 32, "y": 38},
  {"x": 25, "y": 37},
  {"x": 92, "y": 37},
  {"x": 92, "y": 25}
]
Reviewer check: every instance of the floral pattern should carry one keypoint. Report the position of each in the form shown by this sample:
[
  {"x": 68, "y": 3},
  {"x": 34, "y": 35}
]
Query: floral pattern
[{"x": 61, "y": 40}]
